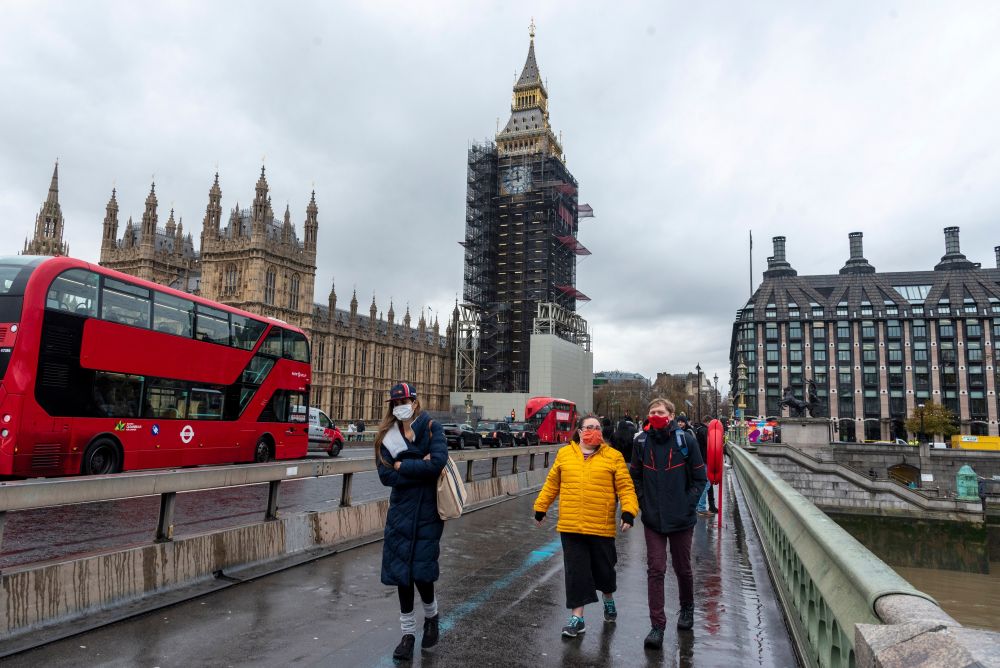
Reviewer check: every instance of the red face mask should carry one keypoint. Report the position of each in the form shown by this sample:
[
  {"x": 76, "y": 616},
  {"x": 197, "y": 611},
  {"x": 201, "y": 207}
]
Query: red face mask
[
  {"x": 658, "y": 421},
  {"x": 592, "y": 437}
]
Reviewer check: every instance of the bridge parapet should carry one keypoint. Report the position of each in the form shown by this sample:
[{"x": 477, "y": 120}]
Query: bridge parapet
[{"x": 846, "y": 607}]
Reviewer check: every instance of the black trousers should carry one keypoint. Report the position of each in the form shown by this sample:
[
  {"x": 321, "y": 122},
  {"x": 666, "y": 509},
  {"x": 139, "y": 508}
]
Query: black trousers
[
  {"x": 589, "y": 565},
  {"x": 426, "y": 590}
]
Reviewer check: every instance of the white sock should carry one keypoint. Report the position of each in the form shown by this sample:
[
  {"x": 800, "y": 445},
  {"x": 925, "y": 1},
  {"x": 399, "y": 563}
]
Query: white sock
[
  {"x": 408, "y": 622},
  {"x": 430, "y": 609}
]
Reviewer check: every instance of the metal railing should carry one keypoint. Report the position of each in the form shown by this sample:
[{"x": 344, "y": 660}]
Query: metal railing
[
  {"x": 828, "y": 581},
  {"x": 48, "y": 493}
]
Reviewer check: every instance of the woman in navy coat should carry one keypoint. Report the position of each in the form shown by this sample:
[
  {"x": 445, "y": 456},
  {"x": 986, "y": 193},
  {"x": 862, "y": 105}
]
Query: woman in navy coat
[{"x": 411, "y": 451}]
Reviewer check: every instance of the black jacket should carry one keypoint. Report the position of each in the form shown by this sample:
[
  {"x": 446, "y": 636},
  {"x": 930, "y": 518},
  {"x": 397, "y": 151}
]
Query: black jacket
[
  {"x": 412, "y": 527},
  {"x": 667, "y": 484}
]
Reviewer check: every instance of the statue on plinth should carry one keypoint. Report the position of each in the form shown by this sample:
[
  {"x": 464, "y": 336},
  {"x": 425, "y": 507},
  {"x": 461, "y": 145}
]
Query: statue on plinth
[{"x": 798, "y": 407}]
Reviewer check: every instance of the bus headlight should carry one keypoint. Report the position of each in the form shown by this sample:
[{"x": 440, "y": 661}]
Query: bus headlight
[
  {"x": 6, "y": 418},
  {"x": 4, "y": 433},
  {"x": 13, "y": 328}
]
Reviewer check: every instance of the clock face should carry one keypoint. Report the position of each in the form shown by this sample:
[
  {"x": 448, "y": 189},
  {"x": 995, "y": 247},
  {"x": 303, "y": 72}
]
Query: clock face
[{"x": 517, "y": 180}]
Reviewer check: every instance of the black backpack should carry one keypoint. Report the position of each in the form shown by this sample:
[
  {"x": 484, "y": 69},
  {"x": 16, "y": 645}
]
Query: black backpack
[{"x": 681, "y": 444}]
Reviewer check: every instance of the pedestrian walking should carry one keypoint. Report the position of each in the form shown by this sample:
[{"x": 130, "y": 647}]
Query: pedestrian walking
[
  {"x": 411, "y": 451},
  {"x": 669, "y": 476},
  {"x": 624, "y": 433},
  {"x": 589, "y": 477}
]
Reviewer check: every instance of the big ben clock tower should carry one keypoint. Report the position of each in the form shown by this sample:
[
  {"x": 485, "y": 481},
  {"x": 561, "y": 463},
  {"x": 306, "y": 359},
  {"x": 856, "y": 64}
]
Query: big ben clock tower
[{"x": 520, "y": 238}]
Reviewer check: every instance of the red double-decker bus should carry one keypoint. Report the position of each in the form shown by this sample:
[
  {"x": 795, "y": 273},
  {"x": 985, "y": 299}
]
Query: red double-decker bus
[
  {"x": 101, "y": 372},
  {"x": 553, "y": 419}
]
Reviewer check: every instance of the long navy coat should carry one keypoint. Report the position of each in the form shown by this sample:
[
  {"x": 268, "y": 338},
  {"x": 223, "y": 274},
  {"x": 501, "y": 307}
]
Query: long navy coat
[{"x": 412, "y": 528}]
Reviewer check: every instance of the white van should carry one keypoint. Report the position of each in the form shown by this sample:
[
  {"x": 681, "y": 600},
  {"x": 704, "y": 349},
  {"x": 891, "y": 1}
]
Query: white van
[{"x": 323, "y": 434}]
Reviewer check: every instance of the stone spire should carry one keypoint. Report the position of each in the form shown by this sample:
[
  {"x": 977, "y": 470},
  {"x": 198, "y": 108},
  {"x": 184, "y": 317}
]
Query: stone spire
[
  {"x": 331, "y": 300},
  {"x": 392, "y": 315},
  {"x": 149, "y": 218},
  {"x": 260, "y": 211},
  {"x": 213, "y": 213},
  {"x": 108, "y": 240},
  {"x": 128, "y": 239},
  {"x": 372, "y": 310},
  {"x": 48, "y": 239},
  {"x": 406, "y": 318},
  {"x": 287, "y": 233},
  {"x": 312, "y": 223},
  {"x": 171, "y": 225},
  {"x": 354, "y": 304}
]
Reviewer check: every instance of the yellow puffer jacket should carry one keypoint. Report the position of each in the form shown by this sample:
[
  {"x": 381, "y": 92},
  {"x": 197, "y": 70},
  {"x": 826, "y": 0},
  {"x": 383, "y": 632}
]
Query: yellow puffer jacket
[{"x": 588, "y": 490}]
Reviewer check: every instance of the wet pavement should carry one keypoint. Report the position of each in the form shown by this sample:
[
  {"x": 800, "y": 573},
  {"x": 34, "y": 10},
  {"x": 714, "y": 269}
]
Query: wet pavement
[
  {"x": 502, "y": 604},
  {"x": 34, "y": 536}
]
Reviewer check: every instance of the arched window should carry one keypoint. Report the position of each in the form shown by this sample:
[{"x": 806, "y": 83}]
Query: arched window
[
  {"x": 269, "y": 280},
  {"x": 231, "y": 279},
  {"x": 293, "y": 293}
]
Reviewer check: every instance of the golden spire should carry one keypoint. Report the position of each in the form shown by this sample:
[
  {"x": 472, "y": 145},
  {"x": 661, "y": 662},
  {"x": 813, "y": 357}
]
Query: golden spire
[{"x": 531, "y": 29}]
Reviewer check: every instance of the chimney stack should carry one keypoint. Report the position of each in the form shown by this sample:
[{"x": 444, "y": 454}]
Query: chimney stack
[
  {"x": 779, "y": 249},
  {"x": 951, "y": 241},
  {"x": 857, "y": 264},
  {"x": 996, "y": 250},
  {"x": 857, "y": 245},
  {"x": 777, "y": 265},
  {"x": 953, "y": 258}
]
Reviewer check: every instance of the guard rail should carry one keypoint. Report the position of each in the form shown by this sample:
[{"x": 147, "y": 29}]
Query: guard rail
[{"x": 47, "y": 493}]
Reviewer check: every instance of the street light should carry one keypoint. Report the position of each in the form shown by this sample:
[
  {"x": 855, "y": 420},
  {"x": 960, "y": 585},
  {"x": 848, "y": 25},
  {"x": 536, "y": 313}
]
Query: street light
[
  {"x": 741, "y": 388},
  {"x": 716, "y": 411},
  {"x": 922, "y": 436},
  {"x": 468, "y": 409},
  {"x": 698, "y": 369}
]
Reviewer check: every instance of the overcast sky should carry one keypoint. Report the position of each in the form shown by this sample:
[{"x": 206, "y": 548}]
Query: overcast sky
[{"x": 686, "y": 126}]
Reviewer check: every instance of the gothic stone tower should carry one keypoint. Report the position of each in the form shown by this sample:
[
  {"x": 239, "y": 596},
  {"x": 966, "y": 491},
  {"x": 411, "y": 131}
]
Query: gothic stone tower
[
  {"x": 520, "y": 238},
  {"x": 164, "y": 255},
  {"x": 48, "y": 239},
  {"x": 256, "y": 262}
]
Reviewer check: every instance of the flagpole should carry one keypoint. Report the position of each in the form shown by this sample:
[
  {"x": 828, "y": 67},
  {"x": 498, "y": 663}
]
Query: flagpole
[{"x": 751, "y": 263}]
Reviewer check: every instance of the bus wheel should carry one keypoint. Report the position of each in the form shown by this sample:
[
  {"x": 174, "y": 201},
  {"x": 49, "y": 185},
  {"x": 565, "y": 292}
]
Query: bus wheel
[
  {"x": 262, "y": 453},
  {"x": 102, "y": 456}
]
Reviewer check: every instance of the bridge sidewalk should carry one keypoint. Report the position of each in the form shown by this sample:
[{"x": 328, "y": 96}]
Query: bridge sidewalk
[{"x": 501, "y": 596}]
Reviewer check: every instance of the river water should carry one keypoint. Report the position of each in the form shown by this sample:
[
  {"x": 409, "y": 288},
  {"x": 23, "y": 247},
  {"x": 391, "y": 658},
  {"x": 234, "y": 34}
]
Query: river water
[{"x": 958, "y": 565}]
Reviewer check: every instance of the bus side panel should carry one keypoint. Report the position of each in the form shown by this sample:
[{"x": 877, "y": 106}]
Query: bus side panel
[{"x": 147, "y": 353}]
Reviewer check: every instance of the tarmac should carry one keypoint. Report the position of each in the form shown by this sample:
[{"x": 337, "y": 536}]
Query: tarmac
[{"x": 501, "y": 598}]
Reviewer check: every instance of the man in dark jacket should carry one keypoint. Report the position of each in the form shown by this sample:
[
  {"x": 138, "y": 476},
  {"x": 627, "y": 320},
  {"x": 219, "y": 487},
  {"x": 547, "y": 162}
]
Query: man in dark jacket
[
  {"x": 624, "y": 433},
  {"x": 669, "y": 475}
]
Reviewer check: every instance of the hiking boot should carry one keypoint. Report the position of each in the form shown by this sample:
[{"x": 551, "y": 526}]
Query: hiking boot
[
  {"x": 685, "y": 619},
  {"x": 431, "y": 632},
  {"x": 610, "y": 611},
  {"x": 575, "y": 627},
  {"x": 654, "y": 639},
  {"x": 404, "y": 650}
]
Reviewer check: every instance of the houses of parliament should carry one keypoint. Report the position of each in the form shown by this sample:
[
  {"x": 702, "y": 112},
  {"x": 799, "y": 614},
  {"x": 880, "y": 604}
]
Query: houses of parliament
[{"x": 251, "y": 260}]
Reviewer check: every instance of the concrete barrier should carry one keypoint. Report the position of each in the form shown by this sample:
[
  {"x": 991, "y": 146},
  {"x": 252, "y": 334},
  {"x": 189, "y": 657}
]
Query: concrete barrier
[{"x": 47, "y": 601}]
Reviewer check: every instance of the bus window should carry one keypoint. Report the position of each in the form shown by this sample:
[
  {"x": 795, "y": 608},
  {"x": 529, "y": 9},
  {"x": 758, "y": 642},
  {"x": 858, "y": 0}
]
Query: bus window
[
  {"x": 296, "y": 346},
  {"x": 165, "y": 399},
  {"x": 246, "y": 331},
  {"x": 172, "y": 315},
  {"x": 74, "y": 291},
  {"x": 272, "y": 344},
  {"x": 116, "y": 394},
  {"x": 279, "y": 408},
  {"x": 125, "y": 303},
  {"x": 212, "y": 325},
  {"x": 257, "y": 370},
  {"x": 298, "y": 399},
  {"x": 206, "y": 404}
]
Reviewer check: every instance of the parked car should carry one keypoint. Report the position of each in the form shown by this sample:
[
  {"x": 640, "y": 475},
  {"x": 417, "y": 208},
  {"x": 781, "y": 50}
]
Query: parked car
[
  {"x": 496, "y": 434},
  {"x": 461, "y": 436},
  {"x": 323, "y": 433},
  {"x": 523, "y": 434}
]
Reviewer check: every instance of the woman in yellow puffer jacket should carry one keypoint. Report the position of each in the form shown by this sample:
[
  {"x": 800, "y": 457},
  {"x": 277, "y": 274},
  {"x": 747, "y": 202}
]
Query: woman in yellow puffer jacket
[{"x": 589, "y": 477}]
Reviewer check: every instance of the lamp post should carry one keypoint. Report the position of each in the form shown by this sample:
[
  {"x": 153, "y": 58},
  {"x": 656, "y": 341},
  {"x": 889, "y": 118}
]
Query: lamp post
[
  {"x": 741, "y": 388},
  {"x": 715, "y": 378},
  {"x": 468, "y": 409},
  {"x": 922, "y": 437},
  {"x": 698, "y": 369}
]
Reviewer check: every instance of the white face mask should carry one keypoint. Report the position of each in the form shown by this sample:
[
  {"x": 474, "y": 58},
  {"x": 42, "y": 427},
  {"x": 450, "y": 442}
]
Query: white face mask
[{"x": 403, "y": 411}]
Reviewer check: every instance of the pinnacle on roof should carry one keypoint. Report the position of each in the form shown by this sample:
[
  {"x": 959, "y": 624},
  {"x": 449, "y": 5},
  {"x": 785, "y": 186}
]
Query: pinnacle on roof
[
  {"x": 54, "y": 184},
  {"x": 151, "y": 197},
  {"x": 530, "y": 76}
]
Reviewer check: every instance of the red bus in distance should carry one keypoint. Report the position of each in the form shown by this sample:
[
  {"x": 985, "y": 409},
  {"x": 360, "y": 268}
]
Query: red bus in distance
[
  {"x": 102, "y": 372},
  {"x": 554, "y": 419}
]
